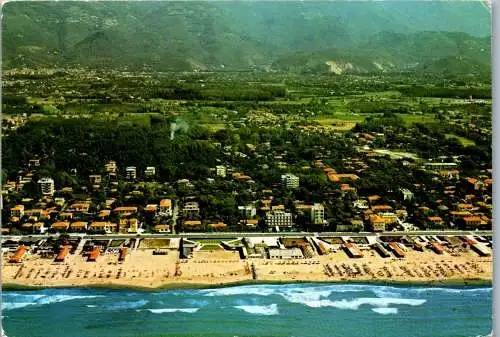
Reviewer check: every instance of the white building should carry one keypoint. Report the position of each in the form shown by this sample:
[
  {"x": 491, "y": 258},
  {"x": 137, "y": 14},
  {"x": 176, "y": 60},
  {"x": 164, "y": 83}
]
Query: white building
[
  {"x": 47, "y": 186},
  {"x": 191, "y": 208},
  {"x": 318, "y": 214},
  {"x": 279, "y": 219},
  {"x": 291, "y": 253},
  {"x": 131, "y": 172},
  {"x": 220, "y": 171},
  {"x": 248, "y": 211},
  {"x": 407, "y": 194},
  {"x": 150, "y": 171},
  {"x": 290, "y": 181}
]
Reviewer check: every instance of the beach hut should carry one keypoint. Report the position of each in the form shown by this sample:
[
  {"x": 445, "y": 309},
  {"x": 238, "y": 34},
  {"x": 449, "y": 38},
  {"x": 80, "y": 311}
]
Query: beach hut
[
  {"x": 94, "y": 254},
  {"x": 381, "y": 250},
  {"x": 481, "y": 249},
  {"x": 18, "y": 255},
  {"x": 123, "y": 253},
  {"x": 352, "y": 250},
  {"x": 62, "y": 254},
  {"x": 437, "y": 248},
  {"x": 396, "y": 249}
]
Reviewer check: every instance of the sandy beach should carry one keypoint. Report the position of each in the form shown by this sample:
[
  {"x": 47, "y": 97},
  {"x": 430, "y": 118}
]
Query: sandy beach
[{"x": 142, "y": 269}]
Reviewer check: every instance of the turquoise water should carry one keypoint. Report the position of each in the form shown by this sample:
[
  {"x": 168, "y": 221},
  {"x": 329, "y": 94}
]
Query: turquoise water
[{"x": 308, "y": 309}]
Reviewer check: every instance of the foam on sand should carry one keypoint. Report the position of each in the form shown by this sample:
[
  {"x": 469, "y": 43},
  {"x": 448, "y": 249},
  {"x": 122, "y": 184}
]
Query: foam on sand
[{"x": 267, "y": 310}]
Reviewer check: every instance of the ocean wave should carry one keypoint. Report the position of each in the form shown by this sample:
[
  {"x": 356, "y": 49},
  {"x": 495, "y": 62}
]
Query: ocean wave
[
  {"x": 161, "y": 311},
  {"x": 125, "y": 305},
  {"x": 452, "y": 290},
  {"x": 267, "y": 310},
  {"x": 357, "y": 302},
  {"x": 385, "y": 311},
  {"x": 42, "y": 300},
  {"x": 240, "y": 290}
]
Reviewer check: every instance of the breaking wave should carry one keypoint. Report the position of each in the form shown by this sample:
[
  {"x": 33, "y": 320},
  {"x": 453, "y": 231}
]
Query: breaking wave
[
  {"x": 385, "y": 311},
  {"x": 267, "y": 310},
  {"x": 42, "y": 300},
  {"x": 127, "y": 305},
  {"x": 161, "y": 311},
  {"x": 357, "y": 302}
]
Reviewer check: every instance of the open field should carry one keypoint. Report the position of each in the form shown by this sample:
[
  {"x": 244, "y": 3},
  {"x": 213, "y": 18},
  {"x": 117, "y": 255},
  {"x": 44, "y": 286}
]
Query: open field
[{"x": 464, "y": 141}]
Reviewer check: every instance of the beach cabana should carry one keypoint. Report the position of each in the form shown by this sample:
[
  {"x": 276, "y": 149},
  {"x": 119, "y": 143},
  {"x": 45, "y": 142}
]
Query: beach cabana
[
  {"x": 62, "y": 254},
  {"x": 18, "y": 255},
  {"x": 94, "y": 254}
]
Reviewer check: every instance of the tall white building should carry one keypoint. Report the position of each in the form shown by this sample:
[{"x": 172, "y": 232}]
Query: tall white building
[
  {"x": 290, "y": 180},
  {"x": 318, "y": 214},
  {"x": 220, "y": 171},
  {"x": 47, "y": 186},
  {"x": 131, "y": 172},
  {"x": 279, "y": 219},
  {"x": 150, "y": 171}
]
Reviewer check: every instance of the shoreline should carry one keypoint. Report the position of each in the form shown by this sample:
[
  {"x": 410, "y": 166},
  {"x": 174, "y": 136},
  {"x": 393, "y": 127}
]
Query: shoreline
[{"x": 196, "y": 286}]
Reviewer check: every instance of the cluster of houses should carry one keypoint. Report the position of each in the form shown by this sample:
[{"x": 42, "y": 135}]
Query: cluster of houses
[{"x": 464, "y": 202}]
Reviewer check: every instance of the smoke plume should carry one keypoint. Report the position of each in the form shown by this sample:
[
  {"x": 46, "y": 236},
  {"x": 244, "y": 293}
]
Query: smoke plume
[{"x": 179, "y": 124}]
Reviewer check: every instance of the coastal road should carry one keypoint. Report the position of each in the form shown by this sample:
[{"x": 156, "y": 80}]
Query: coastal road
[
  {"x": 240, "y": 235},
  {"x": 175, "y": 213}
]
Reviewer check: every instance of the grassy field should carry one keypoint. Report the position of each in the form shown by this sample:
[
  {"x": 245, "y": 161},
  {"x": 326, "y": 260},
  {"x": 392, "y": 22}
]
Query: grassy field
[
  {"x": 211, "y": 247},
  {"x": 424, "y": 118},
  {"x": 463, "y": 141},
  {"x": 211, "y": 241}
]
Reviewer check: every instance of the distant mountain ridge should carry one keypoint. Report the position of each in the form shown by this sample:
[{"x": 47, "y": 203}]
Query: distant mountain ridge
[{"x": 214, "y": 35}]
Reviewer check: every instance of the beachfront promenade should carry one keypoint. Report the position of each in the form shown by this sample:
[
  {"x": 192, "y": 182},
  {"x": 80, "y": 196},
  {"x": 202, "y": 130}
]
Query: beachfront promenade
[{"x": 255, "y": 234}]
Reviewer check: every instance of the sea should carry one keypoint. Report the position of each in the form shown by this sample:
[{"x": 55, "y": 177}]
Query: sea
[{"x": 304, "y": 309}]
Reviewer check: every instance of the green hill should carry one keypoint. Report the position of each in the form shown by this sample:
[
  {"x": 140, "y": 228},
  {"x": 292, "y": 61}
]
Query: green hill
[{"x": 216, "y": 35}]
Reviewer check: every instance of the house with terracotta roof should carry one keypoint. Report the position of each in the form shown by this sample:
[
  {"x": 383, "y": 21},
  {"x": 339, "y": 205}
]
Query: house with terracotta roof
[
  {"x": 125, "y": 209},
  {"x": 381, "y": 208},
  {"x": 79, "y": 226},
  {"x": 166, "y": 207},
  {"x": 474, "y": 183},
  {"x": 65, "y": 216},
  {"x": 250, "y": 222},
  {"x": 106, "y": 226},
  {"x": 161, "y": 228},
  {"x": 80, "y": 207},
  {"x": 151, "y": 208},
  {"x": 218, "y": 225},
  {"x": 435, "y": 221},
  {"x": 377, "y": 223},
  {"x": 455, "y": 215},
  {"x": 129, "y": 225},
  {"x": 192, "y": 223},
  {"x": 449, "y": 174},
  {"x": 104, "y": 213},
  {"x": 465, "y": 207},
  {"x": 17, "y": 211},
  {"x": 472, "y": 222},
  {"x": 60, "y": 225}
]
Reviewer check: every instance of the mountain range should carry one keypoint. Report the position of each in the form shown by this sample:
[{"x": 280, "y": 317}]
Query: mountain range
[{"x": 312, "y": 36}]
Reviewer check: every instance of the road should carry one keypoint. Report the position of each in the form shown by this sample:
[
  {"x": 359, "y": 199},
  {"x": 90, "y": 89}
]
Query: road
[
  {"x": 174, "y": 217},
  {"x": 239, "y": 235}
]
